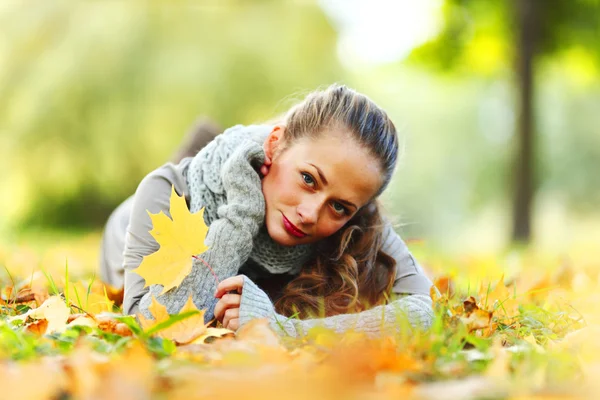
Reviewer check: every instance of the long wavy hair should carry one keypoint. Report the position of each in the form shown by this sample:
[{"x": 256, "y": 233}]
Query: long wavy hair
[{"x": 348, "y": 272}]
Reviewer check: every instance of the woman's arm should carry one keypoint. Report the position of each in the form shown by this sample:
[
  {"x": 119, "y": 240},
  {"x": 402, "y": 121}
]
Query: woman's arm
[
  {"x": 237, "y": 310},
  {"x": 152, "y": 195},
  {"x": 229, "y": 237},
  {"x": 410, "y": 281}
]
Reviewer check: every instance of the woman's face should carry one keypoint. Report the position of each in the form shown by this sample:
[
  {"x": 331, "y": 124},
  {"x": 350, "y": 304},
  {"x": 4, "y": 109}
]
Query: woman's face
[{"x": 313, "y": 187}]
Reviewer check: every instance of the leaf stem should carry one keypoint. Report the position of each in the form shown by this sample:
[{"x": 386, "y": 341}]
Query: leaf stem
[{"x": 209, "y": 267}]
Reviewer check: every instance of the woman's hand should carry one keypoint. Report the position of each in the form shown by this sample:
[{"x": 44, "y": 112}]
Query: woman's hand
[{"x": 227, "y": 309}]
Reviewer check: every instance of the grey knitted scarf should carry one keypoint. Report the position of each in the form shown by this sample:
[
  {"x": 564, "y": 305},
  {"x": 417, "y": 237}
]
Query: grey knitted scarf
[{"x": 205, "y": 183}]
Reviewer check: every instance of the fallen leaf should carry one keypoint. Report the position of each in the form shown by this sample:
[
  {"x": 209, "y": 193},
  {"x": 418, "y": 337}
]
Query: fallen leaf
[
  {"x": 474, "y": 317},
  {"x": 181, "y": 332},
  {"x": 505, "y": 306},
  {"x": 125, "y": 376},
  {"x": 213, "y": 333},
  {"x": 55, "y": 311},
  {"x": 88, "y": 301},
  {"x": 257, "y": 331},
  {"x": 180, "y": 238},
  {"x": 445, "y": 285},
  {"x": 36, "y": 380},
  {"x": 37, "y": 327},
  {"x": 83, "y": 321},
  {"x": 108, "y": 324}
]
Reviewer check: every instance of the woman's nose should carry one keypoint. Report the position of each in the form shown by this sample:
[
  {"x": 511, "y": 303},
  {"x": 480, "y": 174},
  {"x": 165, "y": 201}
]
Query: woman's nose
[{"x": 308, "y": 213}]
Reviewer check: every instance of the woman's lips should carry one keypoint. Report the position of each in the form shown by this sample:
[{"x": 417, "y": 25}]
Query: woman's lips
[{"x": 291, "y": 229}]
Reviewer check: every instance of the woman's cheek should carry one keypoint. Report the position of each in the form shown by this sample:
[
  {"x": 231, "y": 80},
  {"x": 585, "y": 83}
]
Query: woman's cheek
[{"x": 329, "y": 228}]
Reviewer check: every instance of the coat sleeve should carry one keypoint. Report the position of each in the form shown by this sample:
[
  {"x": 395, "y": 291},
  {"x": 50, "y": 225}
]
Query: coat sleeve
[
  {"x": 152, "y": 195},
  {"x": 412, "y": 310},
  {"x": 406, "y": 313}
]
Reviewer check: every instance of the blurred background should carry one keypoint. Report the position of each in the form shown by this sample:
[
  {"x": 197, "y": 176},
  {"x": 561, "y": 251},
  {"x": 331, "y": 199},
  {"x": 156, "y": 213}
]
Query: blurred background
[{"x": 498, "y": 104}]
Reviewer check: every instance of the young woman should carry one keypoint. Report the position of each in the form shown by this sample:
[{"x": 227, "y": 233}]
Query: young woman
[{"x": 294, "y": 225}]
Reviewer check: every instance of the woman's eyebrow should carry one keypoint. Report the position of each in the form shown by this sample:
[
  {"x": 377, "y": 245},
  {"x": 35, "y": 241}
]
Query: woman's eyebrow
[
  {"x": 321, "y": 175},
  {"x": 346, "y": 202}
]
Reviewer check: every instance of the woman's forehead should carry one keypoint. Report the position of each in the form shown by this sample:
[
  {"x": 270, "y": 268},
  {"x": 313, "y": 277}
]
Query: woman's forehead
[{"x": 347, "y": 166}]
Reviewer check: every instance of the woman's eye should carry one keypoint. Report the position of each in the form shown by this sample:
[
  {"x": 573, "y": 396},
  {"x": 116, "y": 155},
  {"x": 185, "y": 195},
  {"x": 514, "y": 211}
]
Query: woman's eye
[
  {"x": 308, "y": 179},
  {"x": 340, "y": 209}
]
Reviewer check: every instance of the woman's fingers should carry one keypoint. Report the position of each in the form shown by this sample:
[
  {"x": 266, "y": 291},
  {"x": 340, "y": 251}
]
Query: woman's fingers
[
  {"x": 233, "y": 324},
  {"x": 231, "y": 315},
  {"x": 234, "y": 283},
  {"x": 230, "y": 300}
]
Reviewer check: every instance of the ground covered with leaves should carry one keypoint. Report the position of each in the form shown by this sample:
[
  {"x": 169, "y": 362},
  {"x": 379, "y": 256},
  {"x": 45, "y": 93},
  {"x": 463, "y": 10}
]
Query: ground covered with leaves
[{"x": 517, "y": 325}]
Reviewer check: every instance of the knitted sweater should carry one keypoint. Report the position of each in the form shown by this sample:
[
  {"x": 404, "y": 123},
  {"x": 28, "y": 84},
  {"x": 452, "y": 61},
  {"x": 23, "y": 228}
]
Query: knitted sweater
[
  {"x": 223, "y": 178},
  {"x": 416, "y": 309}
]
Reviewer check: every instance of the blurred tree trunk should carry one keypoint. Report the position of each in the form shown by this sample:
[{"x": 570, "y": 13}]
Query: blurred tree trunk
[{"x": 526, "y": 38}]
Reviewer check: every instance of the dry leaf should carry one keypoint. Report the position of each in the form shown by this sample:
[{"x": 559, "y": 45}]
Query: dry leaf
[
  {"x": 179, "y": 238},
  {"x": 36, "y": 380},
  {"x": 181, "y": 332},
  {"x": 55, "y": 311},
  {"x": 506, "y": 307},
  {"x": 125, "y": 376},
  {"x": 83, "y": 321},
  {"x": 37, "y": 327},
  {"x": 108, "y": 324},
  {"x": 91, "y": 302},
  {"x": 214, "y": 333},
  {"x": 445, "y": 285},
  {"x": 257, "y": 331},
  {"x": 474, "y": 317}
]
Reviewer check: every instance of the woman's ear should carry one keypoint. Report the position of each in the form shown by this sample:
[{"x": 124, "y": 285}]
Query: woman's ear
[{"x": 270, "y": 146}]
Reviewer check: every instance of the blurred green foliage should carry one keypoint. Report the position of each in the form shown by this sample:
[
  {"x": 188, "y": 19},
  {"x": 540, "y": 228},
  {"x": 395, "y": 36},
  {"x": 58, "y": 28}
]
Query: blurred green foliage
[
  {"x": 478, "y": 42},
  {"x": 477, "y": 37},
  {"x": 94, "y": 95}
]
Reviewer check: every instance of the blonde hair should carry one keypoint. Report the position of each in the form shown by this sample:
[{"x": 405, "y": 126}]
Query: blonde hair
[{"x": 349, "y": 271}]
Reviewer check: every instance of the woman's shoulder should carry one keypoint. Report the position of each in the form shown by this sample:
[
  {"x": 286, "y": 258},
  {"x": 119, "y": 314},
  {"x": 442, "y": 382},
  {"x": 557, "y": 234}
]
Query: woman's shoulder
[
  {"x": 166, "y": 176},
  {"x": 410, "y": 277}
]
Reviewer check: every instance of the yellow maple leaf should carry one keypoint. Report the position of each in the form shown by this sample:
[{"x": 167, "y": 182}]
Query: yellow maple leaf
[
  {"x": 181, "y": 332},
  {"x": 180, "y": 238}
]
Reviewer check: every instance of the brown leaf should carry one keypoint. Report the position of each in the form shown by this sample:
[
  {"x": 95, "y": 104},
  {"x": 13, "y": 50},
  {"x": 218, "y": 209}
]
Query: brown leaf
[
  {"x": 110, "y": 325},
  {"x": 37, "y": 327},
  {"x": 474, "y": 317}
]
